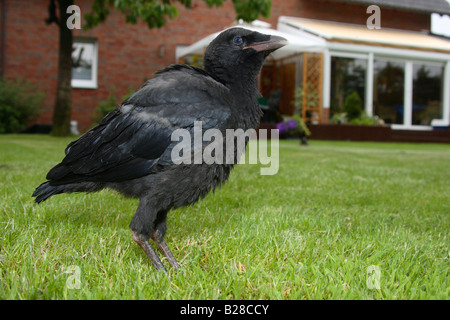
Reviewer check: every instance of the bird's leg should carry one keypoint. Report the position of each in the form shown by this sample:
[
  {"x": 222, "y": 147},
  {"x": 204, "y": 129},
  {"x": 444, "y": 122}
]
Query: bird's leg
[
  {"x": 145, "y": 245},
  {"x": 158, "y": 237},
  {"x": 162, "y": 245},
  {"x": 142, "y": 226}
]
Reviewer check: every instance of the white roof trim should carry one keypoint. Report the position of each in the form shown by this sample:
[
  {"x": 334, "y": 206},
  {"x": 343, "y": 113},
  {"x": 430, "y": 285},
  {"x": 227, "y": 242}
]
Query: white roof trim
[{"x": 297, "y": 42}]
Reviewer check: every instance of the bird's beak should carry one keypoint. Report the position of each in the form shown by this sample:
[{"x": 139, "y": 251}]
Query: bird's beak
[{"x": 275, "y": 42}]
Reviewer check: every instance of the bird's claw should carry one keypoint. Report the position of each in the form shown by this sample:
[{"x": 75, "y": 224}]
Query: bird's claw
[{"x": 148, "y": 249}]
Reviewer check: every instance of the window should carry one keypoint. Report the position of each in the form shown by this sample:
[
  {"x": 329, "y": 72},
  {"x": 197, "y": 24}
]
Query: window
[
  {"x": 348, "y": 75},
  {"x": 427, "y": 93},
  {"x": 406, "y": 90},
  {"x": 388, "y": 90},
  {"x": 84, "y": 63}
]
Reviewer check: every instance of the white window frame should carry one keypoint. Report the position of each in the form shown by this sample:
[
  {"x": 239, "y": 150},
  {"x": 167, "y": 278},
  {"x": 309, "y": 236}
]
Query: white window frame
[
  {"x": 406, "y": 56},
  {"x": 409, "y": 91},
  {"x": 92, "y": 83},
  {"x": 368, "y": 57}
]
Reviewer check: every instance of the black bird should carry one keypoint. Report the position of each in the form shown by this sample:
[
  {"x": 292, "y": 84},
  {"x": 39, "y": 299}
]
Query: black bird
[{"x": 130, "y": 150}]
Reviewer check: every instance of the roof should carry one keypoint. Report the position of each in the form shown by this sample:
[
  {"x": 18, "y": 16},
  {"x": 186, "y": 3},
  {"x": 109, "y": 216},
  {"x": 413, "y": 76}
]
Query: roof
[
  {"x": 299, "y": 42},
  {"x": 426, "y": 6},
  {"x": 357, "y": 34}
]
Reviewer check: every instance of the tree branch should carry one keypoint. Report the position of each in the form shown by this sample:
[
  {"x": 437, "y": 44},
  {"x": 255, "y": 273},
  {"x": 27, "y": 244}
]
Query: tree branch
[{"x": 52, "y": 17}]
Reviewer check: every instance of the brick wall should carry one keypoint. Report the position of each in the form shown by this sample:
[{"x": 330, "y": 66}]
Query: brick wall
[
  {"x": 129, "y": 54},
  {"x": 349, "y": 13},
  {"x": 31, "y": 48}
]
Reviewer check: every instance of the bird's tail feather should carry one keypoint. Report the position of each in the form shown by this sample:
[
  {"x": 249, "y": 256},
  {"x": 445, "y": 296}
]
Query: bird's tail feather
[{"x": 45, "y": 191}]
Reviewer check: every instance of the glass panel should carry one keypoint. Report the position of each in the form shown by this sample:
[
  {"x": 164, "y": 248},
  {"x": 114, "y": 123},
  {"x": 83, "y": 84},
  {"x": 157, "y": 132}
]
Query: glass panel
[
  {"x": 388, "y": 90},
  {"x": 427, "y": 93},
  {"x": 347, "y": 76},
  {"x": 82, "y": 59}
]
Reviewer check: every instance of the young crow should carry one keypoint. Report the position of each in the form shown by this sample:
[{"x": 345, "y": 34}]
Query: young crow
[{"x": 130, "y": 150}]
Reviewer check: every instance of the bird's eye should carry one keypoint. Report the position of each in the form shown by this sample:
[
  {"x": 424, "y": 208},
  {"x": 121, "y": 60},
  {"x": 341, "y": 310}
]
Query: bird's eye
[{"x": 238, "y": 41}]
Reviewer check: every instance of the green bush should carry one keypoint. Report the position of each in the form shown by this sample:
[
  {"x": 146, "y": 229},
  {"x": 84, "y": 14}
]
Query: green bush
[
  {"x": 108, "y": 105},
  {"x": 365, "y": 120},
  {"x": 104, "y": 107},
  {"x": 20, "y": 103},
  {"x": 353, "y": 106},
  {"x": 362, "y": 120}
]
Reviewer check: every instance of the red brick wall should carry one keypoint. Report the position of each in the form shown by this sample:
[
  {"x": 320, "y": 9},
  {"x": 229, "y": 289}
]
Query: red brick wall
[
  {"x": 333, "y": 10},
  {"x": 129, "y": 54},
  {"x": 31, "y": 48}
]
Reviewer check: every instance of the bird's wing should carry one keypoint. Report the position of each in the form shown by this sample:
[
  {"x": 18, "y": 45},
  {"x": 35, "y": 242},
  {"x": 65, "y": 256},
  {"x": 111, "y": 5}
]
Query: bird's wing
[{"x": 135, "y": 139}]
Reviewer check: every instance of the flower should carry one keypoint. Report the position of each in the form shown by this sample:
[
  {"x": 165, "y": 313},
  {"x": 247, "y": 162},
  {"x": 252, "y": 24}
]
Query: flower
[
  {"x": 282, "y": 127},
  {"x": 288, "y": 126},
  {"x": 292, "y": 126}
]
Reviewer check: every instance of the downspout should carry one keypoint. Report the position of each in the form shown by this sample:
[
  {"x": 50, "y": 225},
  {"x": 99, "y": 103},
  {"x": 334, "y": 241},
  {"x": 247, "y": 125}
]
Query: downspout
[{"x": 2, "y": 40}]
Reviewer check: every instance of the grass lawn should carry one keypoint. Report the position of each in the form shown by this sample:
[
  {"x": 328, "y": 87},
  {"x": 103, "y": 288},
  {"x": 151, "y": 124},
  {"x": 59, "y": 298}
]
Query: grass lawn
[{"x": 340, "y": 220}]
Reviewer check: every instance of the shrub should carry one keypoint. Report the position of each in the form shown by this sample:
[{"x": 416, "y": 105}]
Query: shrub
[
  {"x": 20, "y": 103},
  {"x": 108, "y": 105},
  {"x": 362, "y": 120},
  {"x": 104, "y": 107},
  {"x": 365, "y": 120},
  {"x": 353, "y": 106}
]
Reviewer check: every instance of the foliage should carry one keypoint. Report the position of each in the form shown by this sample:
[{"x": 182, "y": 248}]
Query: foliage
[
  {"x": 104, "y": 107},
  {"x": 193, "y": 60},
  {"x": 293, "y": 126},
  {"x": 19, "y": 104},
  {"x": 362, "y": 120},
  {"x": 354, "y": 113},
  {"x": 353, "y": 106},
  {"x": 338, "y": 118},
  {"x": 157, "y": 12},
  {"x": 288, "y": 126},
  {"x": 312, "y": 98},
  {"x": 108, "y": 105},
  {"x": 365, "y": 120},
  {"x": 249, "y": 10}
]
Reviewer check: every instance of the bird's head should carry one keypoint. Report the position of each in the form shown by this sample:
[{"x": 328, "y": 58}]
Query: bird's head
[{"x": 239, "y": 53}]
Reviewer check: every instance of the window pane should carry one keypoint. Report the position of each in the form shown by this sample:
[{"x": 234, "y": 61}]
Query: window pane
[
  {"x": 347, "y": 76},
  {"x": 82, "y": 59},
  {"x": 388, "y": 90},
  {"x": 427, "y": 93}
]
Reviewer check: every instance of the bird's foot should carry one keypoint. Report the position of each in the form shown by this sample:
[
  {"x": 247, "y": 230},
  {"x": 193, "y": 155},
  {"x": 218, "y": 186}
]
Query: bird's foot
[
  {"x": 162, "y": 245},
  {"x": 148, "y": 249}
]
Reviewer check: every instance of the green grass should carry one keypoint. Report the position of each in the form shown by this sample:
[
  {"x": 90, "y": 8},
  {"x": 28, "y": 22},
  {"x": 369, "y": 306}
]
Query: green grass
[{"x": 310, "y": 232}]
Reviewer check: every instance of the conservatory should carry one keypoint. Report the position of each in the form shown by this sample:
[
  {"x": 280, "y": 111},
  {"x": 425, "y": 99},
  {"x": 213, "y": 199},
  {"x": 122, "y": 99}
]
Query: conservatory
[{"x": 402, "y": 77}]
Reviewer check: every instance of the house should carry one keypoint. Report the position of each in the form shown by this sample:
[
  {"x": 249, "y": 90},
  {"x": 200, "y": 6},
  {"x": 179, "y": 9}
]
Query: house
[
  {"x": 401, "y": 76},
  {"x": 401, "y": 72}
]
